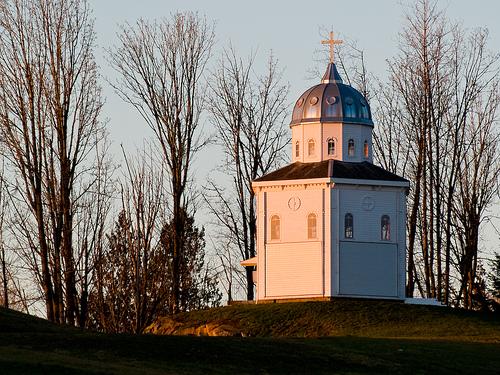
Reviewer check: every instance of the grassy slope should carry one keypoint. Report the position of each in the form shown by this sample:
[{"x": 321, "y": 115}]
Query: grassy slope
[
  {"x": 33, "y": 346},
  {"x": 347, "y": 317}
]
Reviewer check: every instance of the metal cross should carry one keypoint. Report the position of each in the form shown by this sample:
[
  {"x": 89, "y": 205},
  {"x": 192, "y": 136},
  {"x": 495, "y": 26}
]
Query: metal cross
[{"x": 332, "y": 43}]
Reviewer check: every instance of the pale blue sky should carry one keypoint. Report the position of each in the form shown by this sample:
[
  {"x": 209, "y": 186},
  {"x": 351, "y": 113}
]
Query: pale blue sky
[{"x": 289, "y": 28}]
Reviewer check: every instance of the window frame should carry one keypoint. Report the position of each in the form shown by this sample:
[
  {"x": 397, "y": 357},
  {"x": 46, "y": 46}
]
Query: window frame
[
  {"x": 309, "y": 143},
  {"x": 297, "y": 149},
  {"x": 312, "y": 231},
  {"x": 332, "y": 141},
  {"x": 385, "y": 220},
  {"x": 366, "y": 149},
  {"x": 272, "y": 230},
  {"x": 349, "y": 219},
  {"x": 351, "y": 149}
]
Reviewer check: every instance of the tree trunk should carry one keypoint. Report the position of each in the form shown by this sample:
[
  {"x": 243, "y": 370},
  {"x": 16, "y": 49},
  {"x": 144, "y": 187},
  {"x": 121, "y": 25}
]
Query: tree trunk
[{"x": 5, "y": 283}]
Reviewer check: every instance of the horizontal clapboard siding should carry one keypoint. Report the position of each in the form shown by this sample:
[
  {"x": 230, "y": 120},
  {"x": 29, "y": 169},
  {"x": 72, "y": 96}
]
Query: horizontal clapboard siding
[
  {"x": 368, "y": 269},
  {"x": 294, "y": 269},
  {"x": 367, "y": 222}
]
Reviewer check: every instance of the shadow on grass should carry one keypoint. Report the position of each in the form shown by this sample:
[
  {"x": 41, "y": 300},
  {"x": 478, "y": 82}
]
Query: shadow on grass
[{"x": 129, "y": 354}]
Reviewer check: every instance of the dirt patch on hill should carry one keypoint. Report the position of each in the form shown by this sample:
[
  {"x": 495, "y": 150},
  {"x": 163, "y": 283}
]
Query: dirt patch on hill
[{"x": 169, "y": 326}]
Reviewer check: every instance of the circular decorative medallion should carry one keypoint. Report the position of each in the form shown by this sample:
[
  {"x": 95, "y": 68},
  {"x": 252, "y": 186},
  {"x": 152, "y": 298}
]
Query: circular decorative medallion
[
  {"x": 363, "y": 102},
  {"x": 313, "y": 100},
  {"x": 367, "y": 203},
  {"x": 349, "y": 100},
  {"x": 331, "y": 100},
  {"x": 300, "y": 102},
  {"x": 294, "y": 203}
]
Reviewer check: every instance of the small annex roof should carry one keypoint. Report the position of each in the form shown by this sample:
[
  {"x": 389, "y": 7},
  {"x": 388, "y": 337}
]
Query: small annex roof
[
  {"x": 249, "y": 262},
  {"x": 334, "y": 169}
]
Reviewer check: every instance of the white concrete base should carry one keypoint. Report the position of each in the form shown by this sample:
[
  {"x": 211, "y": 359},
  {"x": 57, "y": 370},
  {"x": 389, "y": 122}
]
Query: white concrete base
[{"x": 423, "y": 301}]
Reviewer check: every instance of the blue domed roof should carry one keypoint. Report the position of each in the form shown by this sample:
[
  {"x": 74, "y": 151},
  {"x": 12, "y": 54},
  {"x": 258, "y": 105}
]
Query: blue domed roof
[{"x": 332, "y": 101}]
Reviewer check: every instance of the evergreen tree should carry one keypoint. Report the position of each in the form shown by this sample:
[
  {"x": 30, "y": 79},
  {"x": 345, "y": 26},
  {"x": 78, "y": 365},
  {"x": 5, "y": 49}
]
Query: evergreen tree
[
  {"x": 134, "y": 281},
  {"x": 198, "y": 287}
]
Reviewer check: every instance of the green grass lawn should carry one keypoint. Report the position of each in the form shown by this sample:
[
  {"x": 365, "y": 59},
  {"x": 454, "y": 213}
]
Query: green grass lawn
[
  {"x": 33, "y": 346},
  {"x": 349, "y": 317}
]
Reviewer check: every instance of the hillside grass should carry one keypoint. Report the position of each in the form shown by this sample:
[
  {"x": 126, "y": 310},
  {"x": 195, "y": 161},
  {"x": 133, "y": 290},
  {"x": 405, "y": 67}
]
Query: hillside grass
[
  {"x": 365, "y": 343},
  {"x": 349, "y": 317}
]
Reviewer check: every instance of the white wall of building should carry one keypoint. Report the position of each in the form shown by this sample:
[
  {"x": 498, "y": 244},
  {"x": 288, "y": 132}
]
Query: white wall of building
[
  {"x": 320, "y": 133},
  {"x": 293, "y": 266},
  {"x": 360, "y": 134},
  {"x": 358, "y": 263}
]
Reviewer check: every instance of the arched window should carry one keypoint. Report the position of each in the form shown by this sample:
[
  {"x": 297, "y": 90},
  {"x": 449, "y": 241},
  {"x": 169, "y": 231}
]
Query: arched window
[
  {"x": 311, "y": 226},
  {"x": 331, "y": 146},
  {"x": 297, "y": 149},
  {"x": 310, "y": 147},
  {"x": 275, "y": 227},
  {"x": 349, "y": 107},
  {"x": 348, "y": 226},
  {"x": 365, "y": 149},
  {"x": 350, "y": 147},
  {"x": 385, "y": 227},
  {"x": 364, "y": 112}
]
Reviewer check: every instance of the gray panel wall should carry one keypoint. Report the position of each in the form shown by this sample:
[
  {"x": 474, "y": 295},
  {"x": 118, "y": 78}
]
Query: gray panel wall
[{"x": 368, "y": 269}]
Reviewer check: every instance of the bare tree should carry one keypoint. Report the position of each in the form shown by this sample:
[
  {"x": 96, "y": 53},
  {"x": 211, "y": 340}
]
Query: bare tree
[
  {"x": 478, "y": 186},
  {"x": 132, "y": 282},
  {"x": 134, "y": 271},
  {"x": 90, "y": 227},
  {"x": 3, "y": 252},
  {"x": 249, "y": 114},
  {"x": 50, "y": 104},
  {"x": 232, "y": 280},
  {"x": 160, "y": 66},
  {"x": 425, "y": 114}
]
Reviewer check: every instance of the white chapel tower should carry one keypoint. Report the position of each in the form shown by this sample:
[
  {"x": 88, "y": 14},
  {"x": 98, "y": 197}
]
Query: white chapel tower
[{"x": 331, "y": 223}]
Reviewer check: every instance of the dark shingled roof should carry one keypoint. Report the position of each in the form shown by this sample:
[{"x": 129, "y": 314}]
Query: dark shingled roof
[{"x": 331, "y": 168}]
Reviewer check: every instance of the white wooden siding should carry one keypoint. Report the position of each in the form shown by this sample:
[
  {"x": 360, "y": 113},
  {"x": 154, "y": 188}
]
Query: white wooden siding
[
  {"x": 387, "y": 201},
  {"x": 293, "y": 224},
  {"x": 368, "y": 269},
  {"x": 294, "y": 269},
  {"x": 297, "y": 267},
  {"x": 367, "y": 222},
  {"x": 359, "y": 134}
]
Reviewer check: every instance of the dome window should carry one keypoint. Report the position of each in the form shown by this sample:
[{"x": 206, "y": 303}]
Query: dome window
[
  {"x": 311, "y": 147},
  {"x": 297, "y": 149},
  {"x": 331, "y": 146},
  {"x": 363, "y": 110},
  {"x": 350, "y": 147},
  {"x": 331, "y": 100},
  {"x": 366, "y": 149},
  {"x": 350, "y": 108}
]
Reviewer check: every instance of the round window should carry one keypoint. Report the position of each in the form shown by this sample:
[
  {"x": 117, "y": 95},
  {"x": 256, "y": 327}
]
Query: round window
[
  {"x": 331, "y": 100},
  {"x": 314, "y": 100}
]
